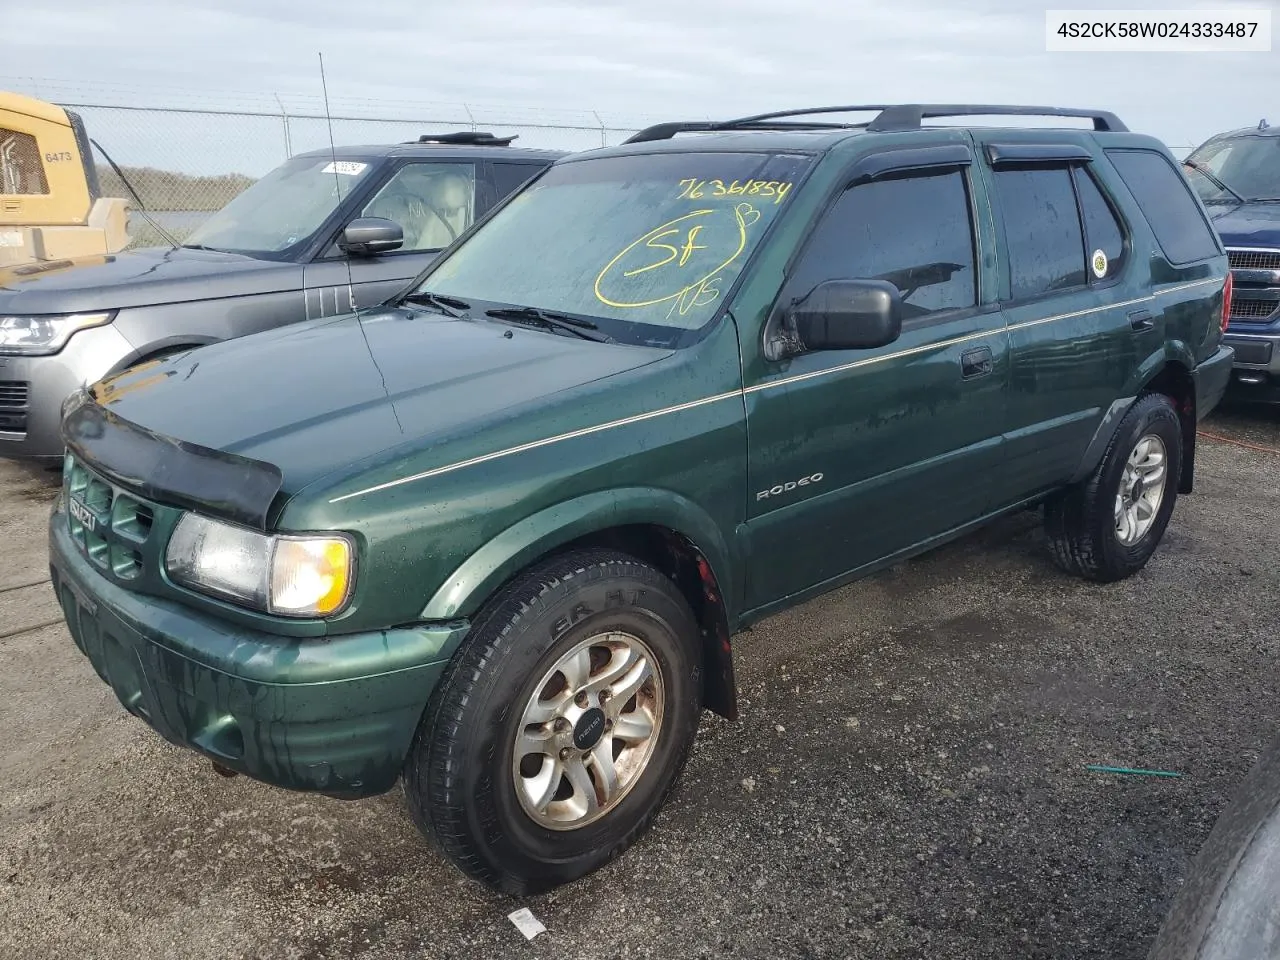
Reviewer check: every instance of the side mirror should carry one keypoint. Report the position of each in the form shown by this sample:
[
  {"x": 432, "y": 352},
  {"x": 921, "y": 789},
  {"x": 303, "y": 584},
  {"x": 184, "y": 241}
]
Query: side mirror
[
  {"x": 848, "y": 315},
  {"x": 369, "y": 236}
]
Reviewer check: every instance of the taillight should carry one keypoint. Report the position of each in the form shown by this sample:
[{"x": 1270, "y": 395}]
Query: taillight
[{"x": 1226, "y": 303}]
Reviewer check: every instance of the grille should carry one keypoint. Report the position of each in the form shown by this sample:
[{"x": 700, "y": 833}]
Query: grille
[
  {"x": 1253, "y": 308},
  {"x": 13, "y": 394},
  {"x": 13, "y": 406},
  {"x": 1254, "y": 259},
  {"x": 114, "y": 525}
]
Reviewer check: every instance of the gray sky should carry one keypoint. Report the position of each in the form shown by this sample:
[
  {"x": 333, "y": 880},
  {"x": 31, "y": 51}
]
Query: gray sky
[{"x": 558, "y": 60}]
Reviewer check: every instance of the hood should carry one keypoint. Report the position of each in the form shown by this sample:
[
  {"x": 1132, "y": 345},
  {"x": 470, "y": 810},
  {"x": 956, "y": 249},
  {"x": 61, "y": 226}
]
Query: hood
[
  {"x": 137, "y": 278},
  {"x": 317, "y": 396},
  {"x": 1251, "y": 224}
]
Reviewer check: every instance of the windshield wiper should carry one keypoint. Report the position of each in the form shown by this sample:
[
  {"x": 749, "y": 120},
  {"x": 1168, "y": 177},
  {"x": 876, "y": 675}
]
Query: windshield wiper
[
  {"x": 551, "y": 320},
  {"x": 450, "y": 306},
  {"x": 199, "y": 246},
  {"x": 1195, "y": 165}
]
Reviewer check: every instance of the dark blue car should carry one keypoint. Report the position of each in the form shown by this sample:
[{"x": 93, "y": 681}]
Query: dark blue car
[{"x": 1237, "y": 176}]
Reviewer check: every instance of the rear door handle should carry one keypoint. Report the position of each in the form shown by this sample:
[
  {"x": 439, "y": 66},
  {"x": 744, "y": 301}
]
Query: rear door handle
[
  {"x": 975, "y": 363},
  {"x": 1142, "y": 319}
]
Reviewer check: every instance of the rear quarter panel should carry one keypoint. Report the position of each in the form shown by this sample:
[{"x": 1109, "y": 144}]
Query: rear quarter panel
[{"x": 1188, "y": 298}]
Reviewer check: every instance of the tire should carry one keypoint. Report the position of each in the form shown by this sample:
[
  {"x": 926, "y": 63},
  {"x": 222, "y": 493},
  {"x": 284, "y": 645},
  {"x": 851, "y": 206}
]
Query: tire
[
  {"x": 1084, "y": 533},
  {"x": 467, "y": 788},
  {"x": 1229, "y": 905}
]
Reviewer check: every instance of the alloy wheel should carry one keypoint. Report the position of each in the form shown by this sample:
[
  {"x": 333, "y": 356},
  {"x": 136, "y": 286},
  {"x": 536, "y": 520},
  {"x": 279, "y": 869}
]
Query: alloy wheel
[
  {"x": 588, "y": 732},
  {"x": 1141, "y": 490}
]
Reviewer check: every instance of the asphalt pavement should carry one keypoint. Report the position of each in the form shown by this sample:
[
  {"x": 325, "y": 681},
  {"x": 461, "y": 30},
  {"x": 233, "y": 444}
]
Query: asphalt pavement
[{"x": 909, "y": 777}]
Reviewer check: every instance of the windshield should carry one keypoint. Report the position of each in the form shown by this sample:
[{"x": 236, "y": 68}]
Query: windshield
[
  {"x": 283, "y": 208},
  {"x": 646, "y": 246},
  {"x": 1248, "y": 165}
]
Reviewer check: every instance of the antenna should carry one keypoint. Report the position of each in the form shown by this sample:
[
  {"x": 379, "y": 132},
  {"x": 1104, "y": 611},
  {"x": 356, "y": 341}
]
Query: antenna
[
  {"x": 337, "y": 182},
  {"x": 351, "y": 291}
]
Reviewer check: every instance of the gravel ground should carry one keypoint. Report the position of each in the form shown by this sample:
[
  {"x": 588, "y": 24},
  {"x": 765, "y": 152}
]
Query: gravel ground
[{"x": 908, "y": 778}]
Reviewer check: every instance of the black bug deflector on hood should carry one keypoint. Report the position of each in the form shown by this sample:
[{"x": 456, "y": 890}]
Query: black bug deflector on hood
[{"x": 168, "y": 470}]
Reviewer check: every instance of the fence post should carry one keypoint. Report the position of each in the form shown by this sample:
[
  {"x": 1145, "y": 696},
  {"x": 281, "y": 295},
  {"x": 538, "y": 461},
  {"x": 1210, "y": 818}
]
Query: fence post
[
  {"x": 288, "y": 139},
  {"x": 601, "y": 122},
  {"x": 470, "y": 116}
]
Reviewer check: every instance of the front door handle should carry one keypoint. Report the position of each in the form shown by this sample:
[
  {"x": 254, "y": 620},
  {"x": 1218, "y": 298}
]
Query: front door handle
[
  {"x": 1142, "y": 319},
  {"x": 975, "y": 363}
]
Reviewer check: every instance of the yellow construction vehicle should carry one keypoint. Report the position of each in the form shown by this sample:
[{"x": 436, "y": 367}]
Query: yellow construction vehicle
[{"x": 50, "y": 203}]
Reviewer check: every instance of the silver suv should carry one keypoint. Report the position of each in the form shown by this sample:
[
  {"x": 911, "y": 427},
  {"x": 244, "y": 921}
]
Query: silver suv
[{"x": 281, "y": 252}]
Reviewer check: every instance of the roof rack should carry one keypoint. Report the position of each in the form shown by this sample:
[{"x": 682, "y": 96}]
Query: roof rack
[
  {"x": 901, "y": 116},
  {"x": 467, "y": 137}
]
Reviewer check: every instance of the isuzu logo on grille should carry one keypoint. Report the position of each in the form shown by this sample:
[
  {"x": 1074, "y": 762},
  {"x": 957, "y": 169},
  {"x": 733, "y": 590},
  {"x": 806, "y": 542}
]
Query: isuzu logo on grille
[{"x": 82, "y": 513}]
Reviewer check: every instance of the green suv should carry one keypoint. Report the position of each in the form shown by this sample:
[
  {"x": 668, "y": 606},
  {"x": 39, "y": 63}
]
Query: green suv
[{"x": 494, "y": 536}]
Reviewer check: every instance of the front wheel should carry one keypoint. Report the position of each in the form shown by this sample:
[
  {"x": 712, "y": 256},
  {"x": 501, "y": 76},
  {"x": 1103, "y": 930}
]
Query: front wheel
[
  {"x": 1106, "y": 528},
  {"x": 561, "y": 725}
]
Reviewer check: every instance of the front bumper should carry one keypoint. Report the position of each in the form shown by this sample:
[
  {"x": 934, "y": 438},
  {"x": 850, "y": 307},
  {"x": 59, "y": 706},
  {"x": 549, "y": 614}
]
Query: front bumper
[
  {"x": 32, "y": 390},
  {"x": 1256, "y": 372},
  {"x": 334, "y": 715}
]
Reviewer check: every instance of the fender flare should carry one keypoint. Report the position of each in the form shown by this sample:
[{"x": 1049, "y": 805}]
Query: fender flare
[
  {"x": 1172, "y": 352},
  {"x": 503, "y": 556}
]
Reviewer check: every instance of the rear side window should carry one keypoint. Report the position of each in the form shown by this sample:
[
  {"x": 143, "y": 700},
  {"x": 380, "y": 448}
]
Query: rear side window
[
  {"x": 913, "y": 231},
  {"x": 1168, "y": 204},
  {"x": 1102, "y": 231},
  {"x": 508, "y": 177},
  {"x": 1042, "y": 230}
]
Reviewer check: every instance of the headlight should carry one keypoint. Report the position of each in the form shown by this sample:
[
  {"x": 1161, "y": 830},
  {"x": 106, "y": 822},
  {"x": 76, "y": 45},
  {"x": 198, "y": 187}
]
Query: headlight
[
  {"x": 39, "y": 335},
  {"x": 293, "y": 576}
]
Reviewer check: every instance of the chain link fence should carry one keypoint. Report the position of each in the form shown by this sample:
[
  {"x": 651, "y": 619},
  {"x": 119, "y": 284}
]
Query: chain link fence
[
  {"x": 188, "y": 158},
  {"x": 185, "y": 163}
]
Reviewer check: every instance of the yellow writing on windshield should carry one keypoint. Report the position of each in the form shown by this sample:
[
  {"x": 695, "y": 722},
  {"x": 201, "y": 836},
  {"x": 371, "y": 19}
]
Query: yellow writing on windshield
[
  {"x": 679, "y": 261},
  {"x": 683, "y": 251},
  {"x": 693, "y": 189}
]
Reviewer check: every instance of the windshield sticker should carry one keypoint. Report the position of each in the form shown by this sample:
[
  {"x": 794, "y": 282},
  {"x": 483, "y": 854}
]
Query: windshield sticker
[
  {"x": 1099, "y": 263},
  {"x": 679, "y": 261},
  {"x": 349, "y": 167},
  {"x": 694, "y": 189}
]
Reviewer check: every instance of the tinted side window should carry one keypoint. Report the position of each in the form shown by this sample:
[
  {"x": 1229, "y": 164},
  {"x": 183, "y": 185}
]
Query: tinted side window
[
  {"x": 1167, "y": 202},
  {"x": 1042, "y": 230},
  {"x": 508, "y": 177},
  {"x": 913, "y": 231},
  {"x": 1102, "y": 231},
  {"x": 433, "y": 202}
]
